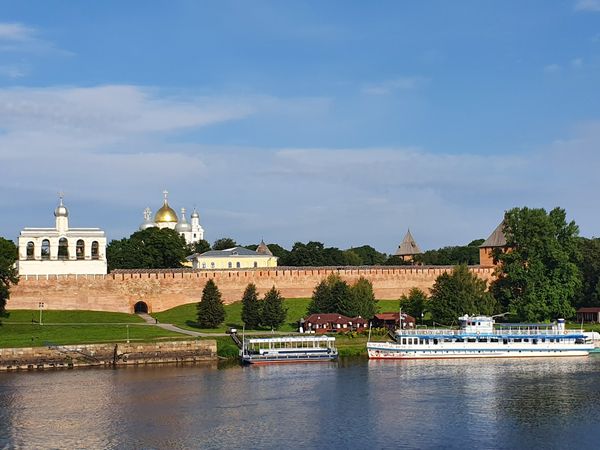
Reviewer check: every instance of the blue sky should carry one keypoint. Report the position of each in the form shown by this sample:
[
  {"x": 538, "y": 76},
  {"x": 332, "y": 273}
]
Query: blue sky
[{"x": 343, "y": 122}]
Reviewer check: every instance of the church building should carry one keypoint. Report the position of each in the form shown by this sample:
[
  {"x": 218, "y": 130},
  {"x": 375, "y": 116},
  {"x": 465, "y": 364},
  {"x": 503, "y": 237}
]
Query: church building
[
  {"x": 62, "y": 250},
  {"x": 166, "y": 217}
]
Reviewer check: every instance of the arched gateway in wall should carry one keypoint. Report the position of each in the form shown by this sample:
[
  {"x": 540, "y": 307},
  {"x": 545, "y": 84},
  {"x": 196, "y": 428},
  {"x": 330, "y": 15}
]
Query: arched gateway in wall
[{"x": 140, "y": 307}]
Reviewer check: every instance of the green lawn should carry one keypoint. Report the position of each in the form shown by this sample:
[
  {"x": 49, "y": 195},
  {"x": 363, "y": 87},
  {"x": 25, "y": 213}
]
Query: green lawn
[
  {"x": 30, "y": 316},
  {"x": 184, "y": 316},
  {"x": 74, "y": 327}
]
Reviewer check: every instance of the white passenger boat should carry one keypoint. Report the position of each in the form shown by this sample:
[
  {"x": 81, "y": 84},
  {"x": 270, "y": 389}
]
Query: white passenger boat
[
  {"x": 288, "y": 349},
  {"x": 480, "y": 337}
]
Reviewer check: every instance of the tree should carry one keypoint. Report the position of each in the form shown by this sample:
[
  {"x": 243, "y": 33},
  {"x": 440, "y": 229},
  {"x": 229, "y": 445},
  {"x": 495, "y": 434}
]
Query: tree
[
  {"x": 251, "y": 307},
  {"x": 224, "y": 244},
  {"x": 273, "y": 312},
  {"x": 415, "y": 303},
  {"x": 538, "y": 278},
  {"x": 457, "y": 293},
  {"x": 8, "y": 273},
  {"x": 369, "y": 256},
  {"x": 326, "y": 295},
  {"x": 152, "y": 248},
  {"x": 211, "y": 312},
  {"x": 589, "y": 266},
  {"x": 200, "y": 246},
  {"x": 452, "y": 256},
  {"x": 364, "y": 299}
]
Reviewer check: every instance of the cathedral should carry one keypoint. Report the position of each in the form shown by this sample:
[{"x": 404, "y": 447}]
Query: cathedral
[{"x": 166, "y": 217}]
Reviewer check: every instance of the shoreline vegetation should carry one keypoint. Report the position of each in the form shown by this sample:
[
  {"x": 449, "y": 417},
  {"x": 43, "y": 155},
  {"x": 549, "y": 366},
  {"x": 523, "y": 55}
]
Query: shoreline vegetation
[{"x": 21, "y": 328}]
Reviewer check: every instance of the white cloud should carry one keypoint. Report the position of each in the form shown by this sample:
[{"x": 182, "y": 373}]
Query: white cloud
[
  {"x": 389, "y": 86},
  {"x": 577, "y": 63},
  {"x": 12, "y": 71},
  {"x": 15, "y": 32},
  {"x": 113, "y": 149},
  {"x": 588, "y": 5},
  {"x": 552, "y": 68}
]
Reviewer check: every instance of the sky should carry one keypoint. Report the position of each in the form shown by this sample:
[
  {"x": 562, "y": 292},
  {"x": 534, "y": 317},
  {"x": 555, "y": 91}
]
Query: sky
[{"x": 345, "y": 122}]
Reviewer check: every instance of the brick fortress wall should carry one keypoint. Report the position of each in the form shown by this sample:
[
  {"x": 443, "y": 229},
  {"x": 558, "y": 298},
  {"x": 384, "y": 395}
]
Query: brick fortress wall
[{"x": 163, "y": 289}]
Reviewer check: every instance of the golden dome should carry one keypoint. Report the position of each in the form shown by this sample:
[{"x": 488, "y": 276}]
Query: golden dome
[{"x": 165, "y": 213}]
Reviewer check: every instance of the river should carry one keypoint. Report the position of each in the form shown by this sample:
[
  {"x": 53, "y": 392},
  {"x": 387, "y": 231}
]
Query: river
[{"x": 354, "y": 403}]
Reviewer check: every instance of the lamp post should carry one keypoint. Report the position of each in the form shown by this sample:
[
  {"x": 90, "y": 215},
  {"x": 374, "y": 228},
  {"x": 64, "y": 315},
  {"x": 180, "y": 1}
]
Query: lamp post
[{"x": 41, "y": 305}]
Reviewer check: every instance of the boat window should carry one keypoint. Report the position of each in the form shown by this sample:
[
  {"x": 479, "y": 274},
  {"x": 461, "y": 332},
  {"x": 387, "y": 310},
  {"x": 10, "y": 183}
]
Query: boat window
[
  {"x": 471, "y": 340},
  {"x": 404, "y": 341},
  {"x": 482, "y": 339},
  {"x": 505, "y": 341},
  {"x": 526, "y": 340},
  {"x": 517, "y": 340},
  {"x": 493, "y": 340},
  {"x": 435, "y": 341}
]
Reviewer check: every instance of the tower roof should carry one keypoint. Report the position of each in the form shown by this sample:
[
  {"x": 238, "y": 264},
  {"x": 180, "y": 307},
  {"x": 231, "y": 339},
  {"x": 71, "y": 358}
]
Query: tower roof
[
  {"x": 408, "y": 246},
  {"x": 263, "y": 249},
  {"x": 497, "y": 238}
]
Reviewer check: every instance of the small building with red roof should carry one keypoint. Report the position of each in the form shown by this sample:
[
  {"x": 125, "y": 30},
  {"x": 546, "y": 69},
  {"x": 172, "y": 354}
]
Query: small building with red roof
[{"x": 333, "y": 323}]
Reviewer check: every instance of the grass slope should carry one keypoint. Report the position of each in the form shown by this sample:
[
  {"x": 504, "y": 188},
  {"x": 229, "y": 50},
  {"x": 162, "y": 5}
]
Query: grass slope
[
  {"x": 184, "y": 316},
  {"x": 20, "y": 328}
]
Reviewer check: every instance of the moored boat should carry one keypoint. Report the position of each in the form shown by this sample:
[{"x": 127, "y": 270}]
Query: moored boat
[
  {"x": 288, "y": 349},
  {"x": 480, "y": 337}
]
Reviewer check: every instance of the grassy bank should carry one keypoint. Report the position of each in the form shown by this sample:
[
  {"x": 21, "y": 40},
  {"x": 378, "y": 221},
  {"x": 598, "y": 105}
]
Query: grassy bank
[
  {"x": 20, "y": 328},
  {"x": 184, "y": 316}
]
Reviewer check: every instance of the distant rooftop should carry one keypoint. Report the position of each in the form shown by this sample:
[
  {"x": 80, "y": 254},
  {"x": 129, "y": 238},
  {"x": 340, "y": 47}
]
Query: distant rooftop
[
  {"x": 408, "y": 246},
  {"x": 497, "y": 238}
]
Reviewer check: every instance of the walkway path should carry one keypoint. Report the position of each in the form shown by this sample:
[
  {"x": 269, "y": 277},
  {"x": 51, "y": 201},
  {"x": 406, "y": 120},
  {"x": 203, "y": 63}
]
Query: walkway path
[{"x": 170, "y": 327}]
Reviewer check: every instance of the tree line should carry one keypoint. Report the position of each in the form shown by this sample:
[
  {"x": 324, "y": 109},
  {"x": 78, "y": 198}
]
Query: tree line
[
  {"x": 267, "y": 312},
  {"x": 156, "y": 248},
  {"x": 545, "y": 272}
]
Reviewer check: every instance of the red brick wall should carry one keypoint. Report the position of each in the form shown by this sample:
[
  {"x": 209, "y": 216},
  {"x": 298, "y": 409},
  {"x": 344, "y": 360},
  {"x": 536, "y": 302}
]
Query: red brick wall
[{"x": 161, "y": 291}]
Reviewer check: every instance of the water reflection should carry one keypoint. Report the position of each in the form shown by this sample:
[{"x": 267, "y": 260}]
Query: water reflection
[{"x": 353, "y": 403}]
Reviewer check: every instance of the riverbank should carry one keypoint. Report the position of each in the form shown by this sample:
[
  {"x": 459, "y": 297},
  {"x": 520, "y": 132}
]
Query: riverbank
[{"x": 105, "y": 355}]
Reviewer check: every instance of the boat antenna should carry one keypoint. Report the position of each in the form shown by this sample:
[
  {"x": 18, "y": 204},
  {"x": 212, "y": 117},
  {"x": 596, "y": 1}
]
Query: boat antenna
[{"x": 369, "y": 339}]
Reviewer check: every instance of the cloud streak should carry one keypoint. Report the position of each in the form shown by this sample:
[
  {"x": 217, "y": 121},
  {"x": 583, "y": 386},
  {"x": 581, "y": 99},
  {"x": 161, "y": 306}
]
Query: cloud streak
[
  {"x": 113, "y": 149},
  {"x": 588, "y": 5}
]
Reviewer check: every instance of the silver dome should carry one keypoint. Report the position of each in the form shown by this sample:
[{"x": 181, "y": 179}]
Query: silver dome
[
  {"x": 61, "y": 210},
  {"x": 183, "y": 226}
]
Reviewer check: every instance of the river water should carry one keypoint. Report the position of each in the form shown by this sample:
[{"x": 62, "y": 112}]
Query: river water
[{"x": 354, "y": 403}]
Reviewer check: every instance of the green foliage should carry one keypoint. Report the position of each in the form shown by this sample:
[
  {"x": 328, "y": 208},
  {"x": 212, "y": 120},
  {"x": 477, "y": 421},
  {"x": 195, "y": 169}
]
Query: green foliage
[
  {"x": 395, "y": 260},
  {"x": 273, "y": 312},
  {"x": 199, "y": 247},
  {"x": 333, "y": 295},
  {"x": 153, "y": 248},
  {"x": 589, "y": 266},
  {"x": 211, "y": 312},
  {"x": 364, "y": 299},
  {"x": 224, "y": 244},
  {"x": 352, "y": 258},
  {"x": 457, "y": 293},
  {"x": 369, "y": 256},
  {"x": 537, "y": 279},
  {"x": 8, "y": 273},
  {"x": 251, "y": 307},
  {"x": 452, "y": 256},
  {"x": 322, "y": 300},
  {"x": 415, "y": 303}
]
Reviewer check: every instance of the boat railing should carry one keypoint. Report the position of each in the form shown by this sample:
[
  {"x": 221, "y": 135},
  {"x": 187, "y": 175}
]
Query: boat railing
[{"x": 496, "y": 331}]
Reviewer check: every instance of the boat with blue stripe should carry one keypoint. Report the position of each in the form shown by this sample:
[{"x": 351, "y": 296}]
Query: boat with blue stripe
[
  {"x": 481, "y": 337},
  {"x": 288, "y": 349}
]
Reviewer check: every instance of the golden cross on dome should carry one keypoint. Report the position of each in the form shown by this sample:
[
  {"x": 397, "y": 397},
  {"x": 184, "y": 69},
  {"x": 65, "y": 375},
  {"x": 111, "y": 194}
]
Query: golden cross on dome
[{"x": 166, "y": 194}]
